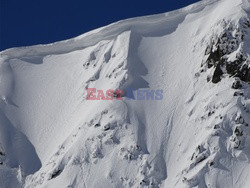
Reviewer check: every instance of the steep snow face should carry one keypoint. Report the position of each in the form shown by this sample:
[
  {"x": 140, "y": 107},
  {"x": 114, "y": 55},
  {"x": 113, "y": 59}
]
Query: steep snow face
[{"x": 196, "y": 136}]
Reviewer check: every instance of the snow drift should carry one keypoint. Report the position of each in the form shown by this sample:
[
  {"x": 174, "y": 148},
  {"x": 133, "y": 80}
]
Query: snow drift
[{"x": 197, "y": 136}]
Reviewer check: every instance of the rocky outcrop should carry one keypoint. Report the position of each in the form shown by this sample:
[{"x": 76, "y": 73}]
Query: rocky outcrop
[{"x": 225, "y": 53}]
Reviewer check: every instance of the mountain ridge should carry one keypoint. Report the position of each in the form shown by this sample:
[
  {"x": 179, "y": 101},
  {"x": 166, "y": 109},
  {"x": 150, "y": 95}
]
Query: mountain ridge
[
  {"x": 197, "y": 136},
  {"x": 123, "y": 23}
]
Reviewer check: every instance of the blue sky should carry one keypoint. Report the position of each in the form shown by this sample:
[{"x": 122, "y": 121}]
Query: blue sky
[{"x": 29, "y": 22}]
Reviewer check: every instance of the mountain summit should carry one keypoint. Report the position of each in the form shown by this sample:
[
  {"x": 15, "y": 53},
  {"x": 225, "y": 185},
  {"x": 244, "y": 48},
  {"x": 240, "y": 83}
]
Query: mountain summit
[{"x": 197, "y": 134}]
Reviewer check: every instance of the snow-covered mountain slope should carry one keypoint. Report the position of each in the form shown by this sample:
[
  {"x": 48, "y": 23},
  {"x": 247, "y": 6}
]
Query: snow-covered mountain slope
[{"x": 198, "y": 135}]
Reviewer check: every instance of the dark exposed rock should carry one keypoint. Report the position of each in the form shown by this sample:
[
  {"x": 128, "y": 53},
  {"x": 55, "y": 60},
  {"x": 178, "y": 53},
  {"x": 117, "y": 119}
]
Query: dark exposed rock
[
  {"x": 201, "y": 159},
  {"x": 210, "y": 113},
  {"x": 217, "y": 126},
  {"x": 56, "y": 173},
  {"x": 211, "y": 163},
  {"x": 106, "y": 127},
  {"x": 238, "y": 93},
  {"x": 237, "y": 85},
  {"x": 227, "y": 43},
  {"x": 97, "y": 125},
  {"x": 214, "y": 57},
  {"x": 217, "y": 74},
  {"x": 238, "y": 132},
  {"x": 245, "y": 73},
  {"x": 239, "y": 120}
]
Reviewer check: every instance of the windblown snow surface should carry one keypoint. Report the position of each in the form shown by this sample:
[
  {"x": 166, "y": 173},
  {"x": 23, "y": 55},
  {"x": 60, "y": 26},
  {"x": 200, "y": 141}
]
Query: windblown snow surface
[{"x": 197, "y": 136}]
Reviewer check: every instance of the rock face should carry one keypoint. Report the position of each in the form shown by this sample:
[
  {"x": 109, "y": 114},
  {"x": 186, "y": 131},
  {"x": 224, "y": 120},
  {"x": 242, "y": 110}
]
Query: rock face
[{"x": 229, "y": 43}]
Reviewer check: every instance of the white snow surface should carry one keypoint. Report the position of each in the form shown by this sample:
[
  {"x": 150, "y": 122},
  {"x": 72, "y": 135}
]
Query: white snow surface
[{"x": 51, "y": 136}]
